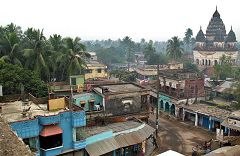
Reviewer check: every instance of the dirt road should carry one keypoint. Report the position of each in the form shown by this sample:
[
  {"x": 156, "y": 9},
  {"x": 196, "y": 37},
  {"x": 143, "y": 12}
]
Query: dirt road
[{"x": 179, "y": 136}]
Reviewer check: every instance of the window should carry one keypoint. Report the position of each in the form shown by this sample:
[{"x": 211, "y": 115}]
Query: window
[
  {"x": 49, "y": 142},
  {"x": 82, "y": 104},
  {"x": 88, "y": 71},
  {"x": 99, "y": 70},
  {"x": 73, "y": 81}
]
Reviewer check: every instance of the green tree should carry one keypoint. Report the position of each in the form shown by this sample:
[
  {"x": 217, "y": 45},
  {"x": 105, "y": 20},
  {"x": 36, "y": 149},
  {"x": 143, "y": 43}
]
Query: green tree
[
  {"x": 188, "y": 39},
  {"x": 13, "y": 76},
  {"x": 35, "y": 52},
  {"x": 224, "y": 70},
  {"x": 72, "y": 59},
  {"x": 128, "y": 48},
  {"x": 149, "y": 51},
  {"x": 10, "y": 44},
  {"x": 56, "y": 49},
  {"x": 174, "y": 49}
]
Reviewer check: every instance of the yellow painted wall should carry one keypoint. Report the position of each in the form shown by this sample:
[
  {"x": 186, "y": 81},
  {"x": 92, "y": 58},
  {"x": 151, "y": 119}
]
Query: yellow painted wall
[
  {"x": 55, "y": 104},
  {"x": 95, "y": 73}
]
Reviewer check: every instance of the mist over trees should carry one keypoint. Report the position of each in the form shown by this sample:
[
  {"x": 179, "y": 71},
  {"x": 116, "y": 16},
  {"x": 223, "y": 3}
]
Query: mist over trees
[{"x": 123, "y": 50}]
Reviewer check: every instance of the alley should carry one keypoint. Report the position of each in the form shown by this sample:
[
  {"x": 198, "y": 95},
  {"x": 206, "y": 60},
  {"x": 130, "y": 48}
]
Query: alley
[{"x": 179, "y": 136}]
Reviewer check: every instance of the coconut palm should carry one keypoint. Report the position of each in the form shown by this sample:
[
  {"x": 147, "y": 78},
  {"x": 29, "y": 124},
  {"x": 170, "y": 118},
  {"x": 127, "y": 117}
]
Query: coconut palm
[
  {"x": 55, "y": 50},
  {"x": 9, "y": 44},
  {"x": 11, "y": 48},
  {"x": 36, "y": 52},
  {"x": 174, "y": 49},
  {"x": 72, "y": 59},
  {"x": 188, "y": 38}
]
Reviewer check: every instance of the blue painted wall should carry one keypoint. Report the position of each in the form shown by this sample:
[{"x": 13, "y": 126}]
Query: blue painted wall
[{"x": 66, "y": 120}]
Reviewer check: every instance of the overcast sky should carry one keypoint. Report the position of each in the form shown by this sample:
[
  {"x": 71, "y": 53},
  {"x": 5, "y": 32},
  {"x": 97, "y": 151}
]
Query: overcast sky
[{"x": 103, "y": 19}]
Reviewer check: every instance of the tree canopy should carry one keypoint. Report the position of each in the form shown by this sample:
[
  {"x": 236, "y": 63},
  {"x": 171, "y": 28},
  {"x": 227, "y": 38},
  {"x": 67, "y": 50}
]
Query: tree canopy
[{"x": 12, "y": 77}]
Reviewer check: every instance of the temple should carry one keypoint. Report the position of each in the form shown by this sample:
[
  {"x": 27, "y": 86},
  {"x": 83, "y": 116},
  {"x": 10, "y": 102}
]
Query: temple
[{"x": 210, "y": 47}]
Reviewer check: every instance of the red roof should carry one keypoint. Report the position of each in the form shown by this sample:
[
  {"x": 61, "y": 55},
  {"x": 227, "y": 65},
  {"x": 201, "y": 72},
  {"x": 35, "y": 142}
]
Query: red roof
[{"x": 51, "y": 130}]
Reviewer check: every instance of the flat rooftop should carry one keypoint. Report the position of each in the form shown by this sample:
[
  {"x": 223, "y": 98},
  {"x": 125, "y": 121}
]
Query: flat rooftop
[
  {"x": 179, "y": 74},
  {"x": 115, "y": 127},
  {"x": 208, "y": 110},
  {"x": 12, "y": 111},
  {"x": 116, "y": 88}
]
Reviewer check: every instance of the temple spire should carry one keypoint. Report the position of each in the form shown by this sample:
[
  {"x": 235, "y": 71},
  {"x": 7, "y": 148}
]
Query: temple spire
[{"x": 216, "y": 7}]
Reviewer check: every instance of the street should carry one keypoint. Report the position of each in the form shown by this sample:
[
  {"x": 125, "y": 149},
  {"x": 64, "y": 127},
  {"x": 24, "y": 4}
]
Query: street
[{"x": 179, "y": 136}]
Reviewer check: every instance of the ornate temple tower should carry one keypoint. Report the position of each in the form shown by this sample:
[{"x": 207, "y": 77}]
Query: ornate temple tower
[{"x": 210, "y": 47}]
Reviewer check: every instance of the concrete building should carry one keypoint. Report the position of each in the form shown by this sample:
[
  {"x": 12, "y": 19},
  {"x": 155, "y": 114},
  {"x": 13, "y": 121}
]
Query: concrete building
[
  {"x": 95, "y": 70},
  {"x": 64, "y": 132},
  {"x": 232, "y": 129},
  {"x": 210, "y": 47},
  {"x": 177, "y": 88},
  {"x": 148, "y": 73},
  {"x": 46, "y": 133},
  {"x": 124, "y": 99}
]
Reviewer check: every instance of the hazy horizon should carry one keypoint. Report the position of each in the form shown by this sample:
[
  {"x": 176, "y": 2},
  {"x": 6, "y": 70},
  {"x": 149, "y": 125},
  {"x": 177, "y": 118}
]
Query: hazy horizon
[{"x": 97, "y": 20}]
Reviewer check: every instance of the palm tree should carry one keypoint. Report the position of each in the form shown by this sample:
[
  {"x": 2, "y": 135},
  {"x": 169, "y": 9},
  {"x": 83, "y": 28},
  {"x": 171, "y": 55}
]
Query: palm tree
[
  {"x": 11, "y": 47},
  {"x": 56, "y": 49},
  {"x": 73, "y": 56},
  {"x": 187, "y": 39},
  {"x": 174, "y": 49},
  {"x": 9, "y": 44},
  {"x": 36, "y": 52}
]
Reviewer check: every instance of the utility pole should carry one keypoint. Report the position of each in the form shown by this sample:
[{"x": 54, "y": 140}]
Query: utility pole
[
  {"x": 157, "y": 110},
  {"x": 71, "y": 95}
]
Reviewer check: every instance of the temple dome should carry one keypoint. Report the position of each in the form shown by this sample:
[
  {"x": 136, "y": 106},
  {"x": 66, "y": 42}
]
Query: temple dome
[
  {"x": 231, "y": 37},
  {"x": 216, "y": 14},
  {"x": 215, "y": 27},
  {"x": 219, "y": 36},
  {"x": 200, "y": 36}
]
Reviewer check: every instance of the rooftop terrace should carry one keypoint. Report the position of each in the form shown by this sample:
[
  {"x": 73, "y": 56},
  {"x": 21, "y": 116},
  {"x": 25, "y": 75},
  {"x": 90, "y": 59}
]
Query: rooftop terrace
[
  {"x": 118, "y": 88},
  {"x": 180, "y": 74},
  {"x": 13, "y": 111}
]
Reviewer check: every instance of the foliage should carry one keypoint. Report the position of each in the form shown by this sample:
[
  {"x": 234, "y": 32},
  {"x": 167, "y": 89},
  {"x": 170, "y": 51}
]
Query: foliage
[
  {"x": 123, "y": 75},
  {"x": 52, "y": 59},
  {"x": 123, "y": 50},
  {"x": 174, "y": 49},
  {"x": 188, "y": 40},
  {"x": 13, "y": 76},
  {"x": 223, "y": 70},
  {"x": 190, "y": 66}
]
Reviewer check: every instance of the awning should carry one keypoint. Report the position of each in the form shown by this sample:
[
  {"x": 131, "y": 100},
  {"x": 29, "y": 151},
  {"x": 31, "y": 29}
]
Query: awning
[
  {"x": 102, "y": 147},
  {"x": 134, "y": 137},
  {"x": 51, "y": 130},
  {"x": 119, "y": 141}
]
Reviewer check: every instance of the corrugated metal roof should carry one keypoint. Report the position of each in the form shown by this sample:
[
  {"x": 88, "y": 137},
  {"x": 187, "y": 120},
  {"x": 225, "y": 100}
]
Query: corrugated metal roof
[
  {"x": 102, "y": 147},
  {"x": 122, "y": 140}
]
